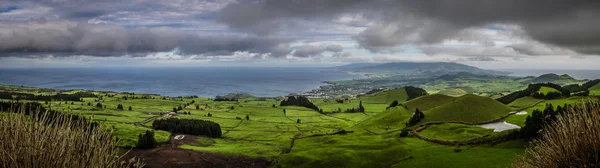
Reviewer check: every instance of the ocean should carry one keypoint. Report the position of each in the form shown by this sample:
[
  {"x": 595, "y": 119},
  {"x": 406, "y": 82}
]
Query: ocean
[{"x": 204, "y": 82}]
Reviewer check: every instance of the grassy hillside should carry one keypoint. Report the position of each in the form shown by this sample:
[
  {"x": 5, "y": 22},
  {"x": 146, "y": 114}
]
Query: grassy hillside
[
  {"x": 524, "y": 102},
  {"x": 386, "y": 97},
  {"x": 595, "y": 90},
  {"x": 468, "y": 108},
  {"x": 459, "y": 132},
  {"x": 520, "y": 119},
  {"x": 391, "y": 119},
  {"x": 349, "y": 150},
  {"x": 425, "y": 103},
  {"x": 453, "y": 92},
  {"x": 372, "y": 140},
  {"x": 545, "y": 90}
]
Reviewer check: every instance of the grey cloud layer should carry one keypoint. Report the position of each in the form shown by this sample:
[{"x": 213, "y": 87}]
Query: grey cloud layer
[
  {"x": 572, "y": 24},
  {"x": 305, "y": 51},
  {"x": 109, "y": 39}
]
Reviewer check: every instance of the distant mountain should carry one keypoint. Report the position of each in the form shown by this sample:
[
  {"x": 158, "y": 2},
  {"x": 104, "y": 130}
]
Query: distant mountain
[
  {"x": 418, "y": 68},
  {"x": 551, "y": 78},
  {"x": 234, "y": 96},
  {"x": 460, "y": 75},
  {"x": 353, "y": 66}
]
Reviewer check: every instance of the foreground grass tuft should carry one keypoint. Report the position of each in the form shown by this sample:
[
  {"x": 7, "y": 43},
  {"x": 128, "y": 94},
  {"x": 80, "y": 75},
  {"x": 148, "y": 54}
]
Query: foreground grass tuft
[
  {"x": 30, "y": 141},
  {"x": 572, "y": 141}
]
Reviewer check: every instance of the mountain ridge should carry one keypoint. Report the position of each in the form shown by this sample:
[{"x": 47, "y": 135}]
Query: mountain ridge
[{"x": 417, "y": 68}]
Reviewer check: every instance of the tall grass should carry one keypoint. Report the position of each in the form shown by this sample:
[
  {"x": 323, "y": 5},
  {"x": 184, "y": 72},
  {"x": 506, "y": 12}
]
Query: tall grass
[
  {"x": 58, "y": 141},
  {"x": 572, "y": 141}
]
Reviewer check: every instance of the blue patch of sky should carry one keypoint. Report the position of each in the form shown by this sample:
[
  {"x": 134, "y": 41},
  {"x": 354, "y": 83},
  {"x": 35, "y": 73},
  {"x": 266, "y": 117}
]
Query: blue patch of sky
[
  {"x": 5, "y": 9},
  {"x": 411, "y": 49},
  {"x": 172, "y": 25},
  {"x": 492, "y": 27}
]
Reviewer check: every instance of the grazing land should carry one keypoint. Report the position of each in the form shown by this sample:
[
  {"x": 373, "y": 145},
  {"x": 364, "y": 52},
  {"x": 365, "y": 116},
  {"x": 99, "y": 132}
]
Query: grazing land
[
  {"x": 370, "y": 130},
  {"x": 468, "y": 108}
]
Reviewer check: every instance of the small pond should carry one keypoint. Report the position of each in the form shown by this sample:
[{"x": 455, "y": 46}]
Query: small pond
[
  {"x": 499, "y": 126},
  {"x": 521, "y": 113}
]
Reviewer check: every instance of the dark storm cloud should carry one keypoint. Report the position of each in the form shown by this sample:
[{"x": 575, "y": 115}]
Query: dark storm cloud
[
  {"x": 66, "y": 37},
  {"x": 572, "y": 24}
]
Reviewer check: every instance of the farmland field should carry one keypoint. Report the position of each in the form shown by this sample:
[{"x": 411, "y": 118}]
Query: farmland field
[{"x": 294, "y": 136}]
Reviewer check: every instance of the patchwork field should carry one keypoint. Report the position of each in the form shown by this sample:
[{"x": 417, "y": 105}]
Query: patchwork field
[{"x": 294, "y": 136}]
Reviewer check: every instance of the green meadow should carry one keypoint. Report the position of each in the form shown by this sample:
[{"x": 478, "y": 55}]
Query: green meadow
[{"x": 302, "y": 137}]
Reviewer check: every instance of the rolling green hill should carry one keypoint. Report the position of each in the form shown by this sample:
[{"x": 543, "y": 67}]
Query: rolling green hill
[
  {"x": 551, "y": 78},
  {"x": 468, "y": 108},
  {"x": 545, "y": 90},
  {"x": 524, "y": 102},
  {"x": 391, "y": 119},
  {"x": 595, "y": 90},
  {"x": 458, "y": 132},
  {"x": 453, "y": 92},
  {"x": 425, "y": 103},
  {"x": 386, "y": 96}
]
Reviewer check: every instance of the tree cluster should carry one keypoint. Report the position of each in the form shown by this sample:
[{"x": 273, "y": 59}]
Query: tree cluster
[
  {"x": 532, "y": 90},
  {"x": 590, "y": 84},
  {"x": 189, "y": 126},
  {"x": 582, "y": 90},
  {"x": 146, "y": 140},
  {"x": 57, "y": 97},
  {"x": 537, "y": 119},
  {"x": 299, "y": 101},
  {"x": 34, "y": 108},
  {"x": 547, "y": 96},
  {"x": 416, "y": 118},
  {"x": 581, "y": 93},
  {"x": 414, "y": 92},
  {"x": 99, "y": 105},
  {"x": 393, "y": 104}
]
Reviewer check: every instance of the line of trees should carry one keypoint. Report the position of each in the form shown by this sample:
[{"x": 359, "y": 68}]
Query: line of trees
[
  {"x": 34, "y": 108},
  {"x": 582, "y": 90},
  {"x": 300, "y": 101},
  {"x": 57, "y": 97},
  {"x": 189, "y": 126},
  {"x": 547, "y": 96},
  {"x": 359, "y": 109},
  {"x": 532, "y": 90}
]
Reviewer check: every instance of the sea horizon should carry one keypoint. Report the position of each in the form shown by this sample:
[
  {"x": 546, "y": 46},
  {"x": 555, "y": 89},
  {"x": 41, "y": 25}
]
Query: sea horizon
[{"x": 178, "y": 81}]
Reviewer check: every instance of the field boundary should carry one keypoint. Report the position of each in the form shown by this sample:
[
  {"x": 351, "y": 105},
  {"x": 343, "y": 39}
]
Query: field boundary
[{"x": 478, "y": 140}]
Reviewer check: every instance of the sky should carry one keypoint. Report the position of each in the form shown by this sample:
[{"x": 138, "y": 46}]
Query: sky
[{"x": 491, "y": 34}]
